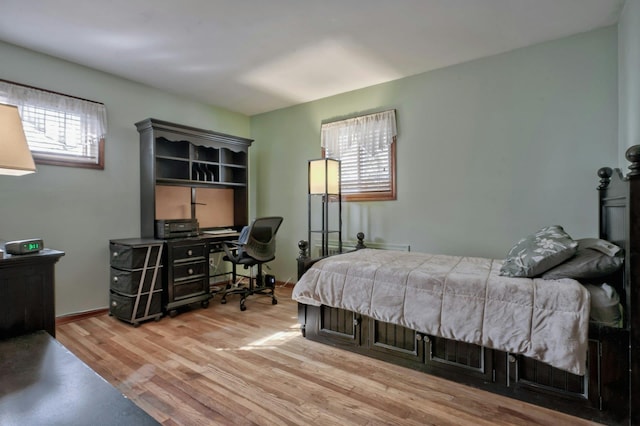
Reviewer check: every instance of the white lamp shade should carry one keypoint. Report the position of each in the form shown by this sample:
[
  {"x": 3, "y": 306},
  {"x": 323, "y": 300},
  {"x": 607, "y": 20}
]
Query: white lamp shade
[
  {"x": 324, "y": 176},
  {"x": 15, "y": 157}
]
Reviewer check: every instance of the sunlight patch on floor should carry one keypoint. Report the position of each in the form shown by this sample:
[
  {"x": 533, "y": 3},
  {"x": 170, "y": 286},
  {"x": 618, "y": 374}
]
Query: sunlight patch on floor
[{"x": 274, "y": 339}]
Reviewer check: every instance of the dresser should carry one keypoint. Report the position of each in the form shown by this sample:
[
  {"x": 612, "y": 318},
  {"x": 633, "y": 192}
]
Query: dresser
[
  {"x": 187, "y": 275},
  {"x": 27, "y": 292},
  {"x": 135, "y": 289}
]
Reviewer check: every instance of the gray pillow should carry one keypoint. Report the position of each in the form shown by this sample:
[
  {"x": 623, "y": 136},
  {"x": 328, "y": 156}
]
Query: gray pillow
[
  {"x": 586, "y": 264},
  {"x": 539, "y": 252},
  {"x": 605, "y": 305}
]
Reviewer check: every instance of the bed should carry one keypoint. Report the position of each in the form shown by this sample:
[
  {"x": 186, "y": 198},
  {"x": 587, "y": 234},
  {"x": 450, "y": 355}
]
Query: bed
[{"x": 539, "y": 328}]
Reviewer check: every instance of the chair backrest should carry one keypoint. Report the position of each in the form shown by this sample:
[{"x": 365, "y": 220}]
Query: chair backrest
[{"x": 260, "y": 238}]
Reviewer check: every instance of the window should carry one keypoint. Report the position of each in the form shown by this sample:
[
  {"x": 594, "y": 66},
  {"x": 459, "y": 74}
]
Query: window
[
  {"x": 367, "y": 150},
  {"x": 61, "y": 130}
]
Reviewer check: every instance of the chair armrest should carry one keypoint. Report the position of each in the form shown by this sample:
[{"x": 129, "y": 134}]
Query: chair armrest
[{"x": 231, "y": 252}]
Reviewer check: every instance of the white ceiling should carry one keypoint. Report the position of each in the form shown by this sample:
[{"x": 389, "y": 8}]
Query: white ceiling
[{"x": 254, "y": 56}]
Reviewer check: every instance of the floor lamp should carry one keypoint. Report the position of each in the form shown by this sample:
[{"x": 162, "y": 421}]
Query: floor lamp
[{"x": 324, "y": 186}]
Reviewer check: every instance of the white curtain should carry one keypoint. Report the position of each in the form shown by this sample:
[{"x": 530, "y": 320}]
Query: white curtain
[
  {"x": 93, "y": 115},
  {"x": 372, "y": 132}
]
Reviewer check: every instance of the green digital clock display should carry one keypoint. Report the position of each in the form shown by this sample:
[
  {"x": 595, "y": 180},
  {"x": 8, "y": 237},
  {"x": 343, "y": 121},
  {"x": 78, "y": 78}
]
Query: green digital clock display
[{"x": 31, "y": 246}]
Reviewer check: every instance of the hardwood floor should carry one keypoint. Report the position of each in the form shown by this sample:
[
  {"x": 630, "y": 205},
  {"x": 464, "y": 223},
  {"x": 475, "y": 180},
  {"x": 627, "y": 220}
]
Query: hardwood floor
[{"x": 223, "y": 366}]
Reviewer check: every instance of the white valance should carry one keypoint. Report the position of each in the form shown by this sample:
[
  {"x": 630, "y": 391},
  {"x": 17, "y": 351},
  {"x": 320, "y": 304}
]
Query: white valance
[
  {"x": 372, "y": 132},
  {"x": 93, "y": 115}
]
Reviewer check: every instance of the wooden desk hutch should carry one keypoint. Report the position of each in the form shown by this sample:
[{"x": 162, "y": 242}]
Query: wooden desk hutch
[{"x": 190, "y": 173}]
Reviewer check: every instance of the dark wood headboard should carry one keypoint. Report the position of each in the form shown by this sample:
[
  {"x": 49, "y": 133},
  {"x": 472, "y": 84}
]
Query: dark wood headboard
[
  {"x": 620, "y": 224},
  {"x": 614, "y": 223}
]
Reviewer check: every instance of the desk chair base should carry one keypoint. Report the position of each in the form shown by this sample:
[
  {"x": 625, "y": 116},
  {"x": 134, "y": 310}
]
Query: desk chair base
[{"x": 256, "y": 286}]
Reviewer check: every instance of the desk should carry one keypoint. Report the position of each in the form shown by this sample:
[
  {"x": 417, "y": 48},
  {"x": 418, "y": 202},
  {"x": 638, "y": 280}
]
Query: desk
[
  {"x": 42, "y": 383},
  {"x": 187, "y": 273},
  {"x": 27, "y": 297}
]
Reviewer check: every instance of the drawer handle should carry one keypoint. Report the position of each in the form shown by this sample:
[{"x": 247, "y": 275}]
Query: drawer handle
[
  {"x": 115, "y": 254},
  {"x": 190, "y": 252},
  {"x": 190, "y": 271},
  {"x": 115, "y": 279}
]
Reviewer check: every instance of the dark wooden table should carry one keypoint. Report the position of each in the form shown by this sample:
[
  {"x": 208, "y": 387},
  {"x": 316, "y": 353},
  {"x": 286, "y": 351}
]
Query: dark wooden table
[
  {"x": 27, "y": 292},
  {"x": 42, "y": 383}
]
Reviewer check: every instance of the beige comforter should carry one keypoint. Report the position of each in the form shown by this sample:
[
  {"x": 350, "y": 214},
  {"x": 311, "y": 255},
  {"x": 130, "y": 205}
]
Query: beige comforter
[{"x": 459, "y": 298}]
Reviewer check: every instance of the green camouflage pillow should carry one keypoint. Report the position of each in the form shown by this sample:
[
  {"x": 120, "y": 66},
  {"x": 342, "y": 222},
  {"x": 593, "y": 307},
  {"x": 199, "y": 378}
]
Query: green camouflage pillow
[{"x": 539, "y": 252}]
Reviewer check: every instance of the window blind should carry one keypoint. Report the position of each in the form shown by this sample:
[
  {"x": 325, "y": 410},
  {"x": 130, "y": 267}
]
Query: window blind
[
  {"x": 363, "y": 144},
  {"x": 58, "y": 128}
]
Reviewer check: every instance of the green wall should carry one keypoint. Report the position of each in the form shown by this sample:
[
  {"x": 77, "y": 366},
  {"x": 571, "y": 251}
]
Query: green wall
[
  {"x": 629, "y": 78},
  {"x": 488, "y": 151},
  {"x": 78, "y": 210}
]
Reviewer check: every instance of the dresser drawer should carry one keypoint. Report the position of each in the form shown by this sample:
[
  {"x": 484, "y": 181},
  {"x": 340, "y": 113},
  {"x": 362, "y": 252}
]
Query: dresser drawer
[
  {"x": 127, "y": 282},
  {"x": 182, "y": 290},
  {"x": 125, "y": 256},
  {"x": 187, "y": 253},
  {"x": 122, "y": 306},
  {"x": 187, "y": 271}
]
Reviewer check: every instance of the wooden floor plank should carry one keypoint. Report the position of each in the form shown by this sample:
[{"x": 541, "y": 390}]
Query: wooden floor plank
[{"x": 223, "y": 366}]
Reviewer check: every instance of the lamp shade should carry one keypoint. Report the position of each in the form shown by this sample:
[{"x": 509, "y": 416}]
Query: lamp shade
[
  {"x": 15, "y": 157},
  {"x": 324, "y": 176}
]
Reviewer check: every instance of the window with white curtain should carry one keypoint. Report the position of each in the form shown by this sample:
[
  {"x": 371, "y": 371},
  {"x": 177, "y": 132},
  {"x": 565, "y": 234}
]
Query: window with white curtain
[
  {"x": 61, "y": 130},
  {"x": 365, "y": 146}
]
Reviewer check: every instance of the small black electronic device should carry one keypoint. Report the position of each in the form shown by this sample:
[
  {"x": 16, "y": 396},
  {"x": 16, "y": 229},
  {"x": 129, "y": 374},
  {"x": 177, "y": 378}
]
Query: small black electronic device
[
  {"x": 32, "y": 245},
  {"x": 270, "y": 281},
  {"x": 177, "y": 228}
]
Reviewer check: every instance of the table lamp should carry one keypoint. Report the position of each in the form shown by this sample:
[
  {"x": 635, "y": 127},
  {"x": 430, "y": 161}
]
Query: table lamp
[{"x": 15, "y": 156}]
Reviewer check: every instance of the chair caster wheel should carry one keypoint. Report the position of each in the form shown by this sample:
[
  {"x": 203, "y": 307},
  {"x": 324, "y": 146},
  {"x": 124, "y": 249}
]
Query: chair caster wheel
[
  {"x": 274, "y": 302},
  {"x": 173, "y": 313},
  {"x": 223, "y": 301},
  {"x": 242, "y": 306},
  {"x": 205, "y": 304}
]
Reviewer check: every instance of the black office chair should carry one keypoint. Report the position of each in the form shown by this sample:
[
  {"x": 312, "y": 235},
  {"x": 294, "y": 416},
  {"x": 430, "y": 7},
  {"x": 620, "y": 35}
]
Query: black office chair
[{"x": 255, "y": 246}]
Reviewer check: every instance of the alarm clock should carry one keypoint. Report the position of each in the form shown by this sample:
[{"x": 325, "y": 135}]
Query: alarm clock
[{"x": 33, "y": 245}]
